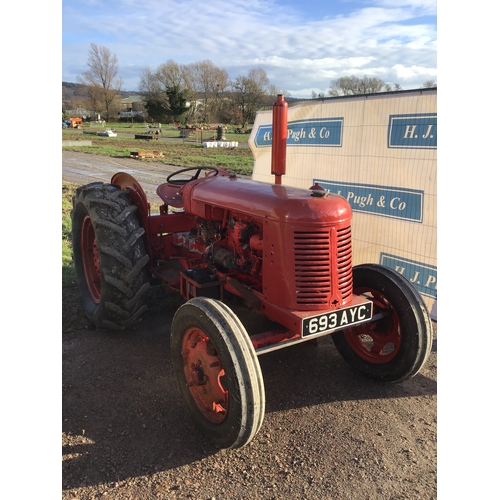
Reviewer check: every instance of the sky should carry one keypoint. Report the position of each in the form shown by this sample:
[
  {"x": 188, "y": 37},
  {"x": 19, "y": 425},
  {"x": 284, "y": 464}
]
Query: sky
[{"x": 301, "y": 44}]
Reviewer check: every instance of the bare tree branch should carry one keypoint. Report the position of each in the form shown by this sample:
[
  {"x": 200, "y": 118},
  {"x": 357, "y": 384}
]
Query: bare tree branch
[{"x": 103, "y": 84}]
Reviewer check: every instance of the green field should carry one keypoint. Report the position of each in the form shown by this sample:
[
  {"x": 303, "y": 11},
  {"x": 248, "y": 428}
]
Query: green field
[
  {"x": 170, "y": 131},
  {"x": 176, "y": 151}
]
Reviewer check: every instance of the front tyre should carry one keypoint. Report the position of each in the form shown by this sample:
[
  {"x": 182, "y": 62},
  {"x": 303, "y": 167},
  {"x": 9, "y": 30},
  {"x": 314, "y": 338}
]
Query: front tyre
[
  {"x": 109, "y": 256},
  {"x": 394, "y": 347},
  {"x": 218, "y": 372}
]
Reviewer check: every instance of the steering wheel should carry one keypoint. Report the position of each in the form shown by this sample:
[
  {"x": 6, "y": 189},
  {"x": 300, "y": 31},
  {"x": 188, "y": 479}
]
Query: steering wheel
[{"x": 181, "y": 182}]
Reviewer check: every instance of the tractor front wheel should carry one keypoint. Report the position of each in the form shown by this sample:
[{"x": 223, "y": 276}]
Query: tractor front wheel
[
  {"x": 109, "y": 256},
  {"x": 395, "y": 346},
  {"x": 218, "y": 372}
]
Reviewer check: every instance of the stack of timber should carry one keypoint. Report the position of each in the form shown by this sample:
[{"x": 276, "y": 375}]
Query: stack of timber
[{"x": 146, "y": 154}]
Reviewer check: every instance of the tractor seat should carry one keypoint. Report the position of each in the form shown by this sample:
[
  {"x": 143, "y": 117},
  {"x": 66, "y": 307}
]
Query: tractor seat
[{"x": 171, "y": 195}]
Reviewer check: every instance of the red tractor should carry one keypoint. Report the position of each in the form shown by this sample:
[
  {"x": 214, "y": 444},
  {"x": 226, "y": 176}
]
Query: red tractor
[{"x": 284, "y": 251}]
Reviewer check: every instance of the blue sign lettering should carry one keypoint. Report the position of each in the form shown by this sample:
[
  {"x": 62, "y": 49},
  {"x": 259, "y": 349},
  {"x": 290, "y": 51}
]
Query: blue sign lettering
[
  {"x": 422, "y": 276},
  {"x": 418, "y": 131},
  {"x": 314, "y": 132},
  {"x": 393, "y": 202}
]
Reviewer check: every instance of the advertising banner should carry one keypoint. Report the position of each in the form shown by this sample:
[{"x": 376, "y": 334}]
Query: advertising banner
[{"x": 379, "y": 151}]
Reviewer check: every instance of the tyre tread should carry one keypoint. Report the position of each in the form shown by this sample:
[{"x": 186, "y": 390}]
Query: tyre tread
[
  {"x": 422, "y": 335},
  {"x": 123, "y": 258},
  {"x": 243, "y": 358}
]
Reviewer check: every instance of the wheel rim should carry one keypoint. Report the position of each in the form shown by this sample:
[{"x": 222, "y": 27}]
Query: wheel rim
[
  {"x": 90, "y": 260},
  {"x": 204, "y": 375},
  {"x": 378, "y": 341}
]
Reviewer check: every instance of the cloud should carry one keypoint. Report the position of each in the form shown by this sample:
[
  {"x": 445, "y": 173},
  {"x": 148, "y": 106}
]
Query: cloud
[
  {"x": 297, "y": 53},
  {"x": 408, "y": 73}
]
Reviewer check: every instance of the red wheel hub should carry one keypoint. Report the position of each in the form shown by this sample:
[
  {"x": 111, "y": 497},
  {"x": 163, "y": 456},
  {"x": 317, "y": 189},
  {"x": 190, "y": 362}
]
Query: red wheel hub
[
  {"x": 204, "y": 375},
  {"x": 379, "y": 341},
  {"x": 90, "y": 259}
]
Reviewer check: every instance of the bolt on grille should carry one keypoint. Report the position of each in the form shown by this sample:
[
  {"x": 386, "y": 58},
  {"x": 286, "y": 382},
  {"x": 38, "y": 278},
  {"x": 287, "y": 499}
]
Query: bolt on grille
[
  {"x": 344, "y": 262},
  {"x": 314, "y": 272}
]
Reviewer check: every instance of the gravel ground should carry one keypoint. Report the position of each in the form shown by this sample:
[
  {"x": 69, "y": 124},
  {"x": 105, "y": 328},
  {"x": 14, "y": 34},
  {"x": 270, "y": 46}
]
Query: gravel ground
[
  {"x": 83, "y": 168},
  {"x": 328, "y": 433}
]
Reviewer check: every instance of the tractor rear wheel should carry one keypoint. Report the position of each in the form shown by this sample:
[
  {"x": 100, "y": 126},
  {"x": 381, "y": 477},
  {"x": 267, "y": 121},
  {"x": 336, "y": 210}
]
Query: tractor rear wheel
[
  {"x": 218, "y": 372},
  {"x": 394, "y": 347},
  {"x": 109, "y": 256}
]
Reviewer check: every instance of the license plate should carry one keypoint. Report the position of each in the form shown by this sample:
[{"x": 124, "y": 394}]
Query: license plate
[{"x": 336, "y": 320}]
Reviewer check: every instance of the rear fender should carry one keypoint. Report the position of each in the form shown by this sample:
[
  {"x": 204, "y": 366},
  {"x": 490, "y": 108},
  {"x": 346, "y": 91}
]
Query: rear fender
[{"x": 137, "y": 197}]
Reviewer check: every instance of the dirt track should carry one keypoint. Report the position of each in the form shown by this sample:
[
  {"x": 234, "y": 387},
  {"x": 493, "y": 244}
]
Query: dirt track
[
  {"x": 82, "y": 168},
  {"x": 327, "y": 434}
]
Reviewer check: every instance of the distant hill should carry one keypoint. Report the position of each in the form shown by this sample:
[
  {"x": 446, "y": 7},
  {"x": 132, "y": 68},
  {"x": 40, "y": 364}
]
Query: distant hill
[{"x": 74, "y": 93}]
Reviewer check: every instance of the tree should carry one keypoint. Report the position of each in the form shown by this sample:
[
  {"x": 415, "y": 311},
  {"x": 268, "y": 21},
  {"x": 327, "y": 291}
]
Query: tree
[
  {"x": 165, "y": 92},
  {"x": 155, "y": 97},
  {"x": 429, "y": 84},
  {"x": 249, "y": 92},
  {"x": 157, "y": 110},
  {"x": 202, "y": 92},
  {"x": 177, "y": 102},
  {"x": 230, "y": 112},
  {"x": 101, "y": 81},
  {"x": 209, "y": 83},
  {"x": 272, "y": 91},
  {"x": 353, "y": 85}
]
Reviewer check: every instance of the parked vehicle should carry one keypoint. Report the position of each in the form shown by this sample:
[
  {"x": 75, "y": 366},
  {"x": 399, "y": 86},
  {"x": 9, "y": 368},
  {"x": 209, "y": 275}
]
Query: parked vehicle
[
  {"x": 108, "y": 133},
  {"x": 285, "y": 252},
  {"x": 75, "y": 122}
]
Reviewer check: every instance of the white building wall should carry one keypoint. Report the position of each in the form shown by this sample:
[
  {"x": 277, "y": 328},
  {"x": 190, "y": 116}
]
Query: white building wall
[{"x": 380, "y": 152}]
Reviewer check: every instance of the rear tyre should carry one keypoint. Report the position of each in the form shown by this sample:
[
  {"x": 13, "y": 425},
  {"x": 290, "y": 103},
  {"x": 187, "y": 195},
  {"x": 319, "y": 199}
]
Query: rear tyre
[
  {"x": 218, "y": 372},
  {"x": 396, "y": 346},
  {"x": 109, "y": 256}
]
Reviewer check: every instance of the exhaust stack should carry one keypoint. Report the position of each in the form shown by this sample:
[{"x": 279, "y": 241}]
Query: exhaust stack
[{"x": 279, "y": 135}]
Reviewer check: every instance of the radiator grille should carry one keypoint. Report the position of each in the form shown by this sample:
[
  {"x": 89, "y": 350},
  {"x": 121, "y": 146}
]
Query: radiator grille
[
  {"x": 344, "y": 262},
  {"x": 314, "y": 273}
]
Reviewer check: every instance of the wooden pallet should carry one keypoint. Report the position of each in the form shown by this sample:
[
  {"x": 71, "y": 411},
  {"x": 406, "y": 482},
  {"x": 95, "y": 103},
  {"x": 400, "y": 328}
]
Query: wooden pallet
[{"x": 146, "y": 154}]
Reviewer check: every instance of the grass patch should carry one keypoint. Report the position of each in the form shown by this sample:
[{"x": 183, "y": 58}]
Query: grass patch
[
  {"x": 166, "y": 130},
  {"x": 189, "y": 154},
  {"x": 101, "y": 150},
  {"x": 236, "y": 164},
  {"x": 68, "y": 269}
]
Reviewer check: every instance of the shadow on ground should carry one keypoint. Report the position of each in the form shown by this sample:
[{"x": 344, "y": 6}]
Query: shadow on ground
[{"x": 123, "y": 416}]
